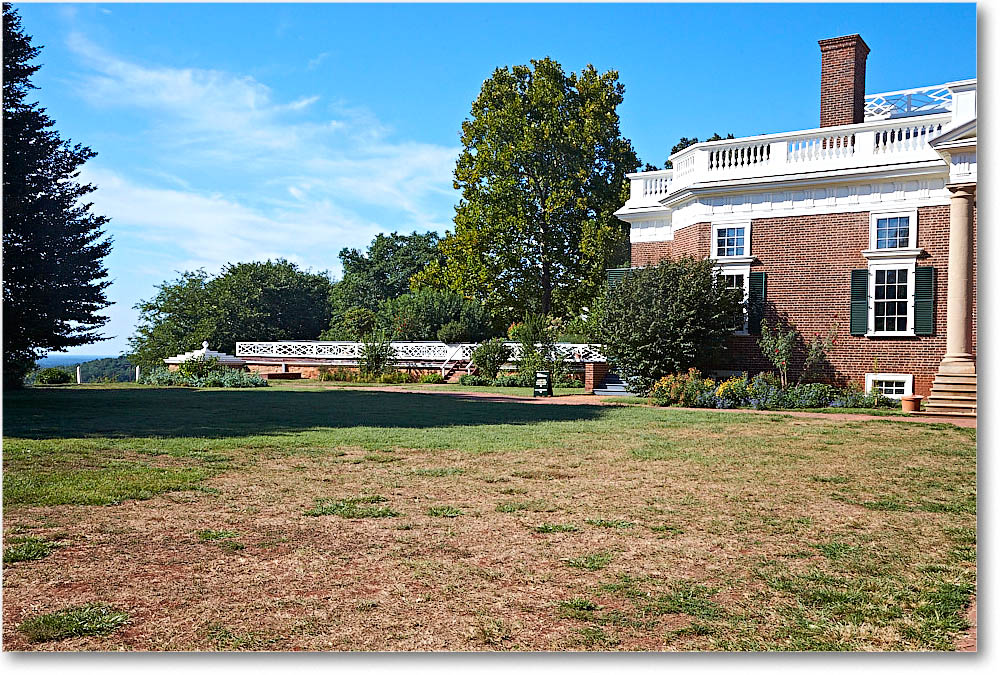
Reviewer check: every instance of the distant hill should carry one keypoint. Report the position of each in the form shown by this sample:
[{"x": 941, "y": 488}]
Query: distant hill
[
  {"x": 106, "y": 368},
  {"x": 55, "y": 360}
]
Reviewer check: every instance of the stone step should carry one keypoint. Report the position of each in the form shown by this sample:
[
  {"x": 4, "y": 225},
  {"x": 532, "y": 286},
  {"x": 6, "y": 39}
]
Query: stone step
[
  {"x": 611, "y": 392},
  {"x": 964, "y": 397},
  {"x": 937, "y": 413},
  {"x": 950, "y": 386},
  {"x": 955, "y": 378},
  {"x": 950, "y": 405}
]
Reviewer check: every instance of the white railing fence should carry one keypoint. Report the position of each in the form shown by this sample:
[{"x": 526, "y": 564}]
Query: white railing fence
[
  {"x": 921, "y": 101},
  {"x": 437, "y": 354}
]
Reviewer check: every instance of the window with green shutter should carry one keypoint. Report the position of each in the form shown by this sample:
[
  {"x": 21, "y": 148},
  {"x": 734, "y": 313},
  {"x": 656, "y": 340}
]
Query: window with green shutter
[
  {"x": 757, "y": 296},
  {"x": 859, "y": 302},
  {"x": 923, "y": 301}
]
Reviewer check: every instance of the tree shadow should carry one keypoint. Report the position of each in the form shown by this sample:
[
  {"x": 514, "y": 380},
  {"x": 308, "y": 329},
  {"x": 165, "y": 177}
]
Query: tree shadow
[{"x": 187, "y": 413}]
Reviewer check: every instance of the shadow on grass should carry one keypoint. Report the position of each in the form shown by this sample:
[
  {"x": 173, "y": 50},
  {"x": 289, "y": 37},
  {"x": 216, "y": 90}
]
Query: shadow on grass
[{"x": 135, "y": 412}]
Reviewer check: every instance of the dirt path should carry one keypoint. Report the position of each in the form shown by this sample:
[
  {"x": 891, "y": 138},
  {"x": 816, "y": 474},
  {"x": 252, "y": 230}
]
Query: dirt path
[
  {"x": 967, "y": 643},
  {"x": 589, "y": 399}
]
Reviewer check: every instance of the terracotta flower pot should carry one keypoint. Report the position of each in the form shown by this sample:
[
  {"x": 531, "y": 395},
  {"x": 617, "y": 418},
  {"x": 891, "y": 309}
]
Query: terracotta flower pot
[{"x": 912, "y": 403}]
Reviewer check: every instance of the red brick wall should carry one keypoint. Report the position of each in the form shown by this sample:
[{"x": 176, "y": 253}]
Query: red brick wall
[
  {"x": 808, "y": 261},
  {"x": 842, "y": 80},
  {"x": 810, "y": 287},
  {"x": 692, "y": 240}
]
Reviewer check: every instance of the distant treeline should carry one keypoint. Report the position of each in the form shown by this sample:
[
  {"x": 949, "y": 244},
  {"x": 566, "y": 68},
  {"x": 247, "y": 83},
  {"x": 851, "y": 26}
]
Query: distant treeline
[{"x": 117, "y": 369}]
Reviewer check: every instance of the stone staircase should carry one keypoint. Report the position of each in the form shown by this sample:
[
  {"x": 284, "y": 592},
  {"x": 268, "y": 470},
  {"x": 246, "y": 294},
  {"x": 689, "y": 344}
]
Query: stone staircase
[
  {"x": 612, "y": 385},
  {"x": 952, "y": 395}
]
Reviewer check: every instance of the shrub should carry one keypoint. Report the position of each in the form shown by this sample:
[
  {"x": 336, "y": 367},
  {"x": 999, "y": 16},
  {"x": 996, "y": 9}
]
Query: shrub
[
  {"x": 777, "y": 345},
  {"x": 664, "y": 319},
  {"x": 568, "y": 382},
  {"x": 396, "y": 377},
  {"x": 431, "y": 378},
  {"x": 377, "y": 355},
  {"x": 537, "y": 334},
  {"x": 507, "y": 381},
  {"x": 52, "y": 376},
  {"x": 816, "y": 353},
  {"x": 469, "y": 380},
  {"x": 685, "y": 389},
  {"x": 198, "y": 366},
  {"x": 338, "y": 375},
  {"x": 221, "y": 377},
  {"x": 765, "y": 392},
  {"x": 490, "y": 356},
  {"x": 813, "y": 395}
]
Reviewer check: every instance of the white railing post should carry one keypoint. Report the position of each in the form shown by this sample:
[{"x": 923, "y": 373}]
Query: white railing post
[
  {"x": 79, "y": 378},
  {"x": 137, "y": 373}
]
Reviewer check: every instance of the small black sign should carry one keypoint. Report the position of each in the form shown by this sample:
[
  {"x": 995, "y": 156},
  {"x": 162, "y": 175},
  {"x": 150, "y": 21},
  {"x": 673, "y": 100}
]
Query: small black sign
[{"x": 543, "y": 383}]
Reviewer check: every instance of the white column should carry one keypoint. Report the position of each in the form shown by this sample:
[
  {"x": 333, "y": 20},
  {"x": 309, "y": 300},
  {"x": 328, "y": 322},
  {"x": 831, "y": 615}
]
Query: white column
[
  {"x": 79, "y": 379},
  {"x": 958, "y": 356}
]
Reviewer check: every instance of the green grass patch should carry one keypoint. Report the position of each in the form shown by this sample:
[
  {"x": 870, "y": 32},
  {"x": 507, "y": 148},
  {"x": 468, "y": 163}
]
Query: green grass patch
[
  {"x": 440, "y": 472},
  {"x": 515, "y": 506},
  {"x": 353, "y": 508},
  {"x": 22, "y": 549},
  {"x": 91, "y": 619},
  {"x": 612, "y": 524},
  {"x": 444, "y": 511},
  {"x": 111, "y": 484},
  {"x": 549, "y": 528},
  {"x": 215, "y": 535},
  {"x": 685, "y": 597},
  {"x": 592, "y": 562}
]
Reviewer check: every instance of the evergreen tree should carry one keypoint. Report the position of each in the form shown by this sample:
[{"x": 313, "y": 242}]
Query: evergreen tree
[{"x": 54, "y": 278}]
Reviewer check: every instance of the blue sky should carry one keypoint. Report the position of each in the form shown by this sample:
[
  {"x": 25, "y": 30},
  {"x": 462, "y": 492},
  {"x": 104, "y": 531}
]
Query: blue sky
[{"x": 230, "y": 133}]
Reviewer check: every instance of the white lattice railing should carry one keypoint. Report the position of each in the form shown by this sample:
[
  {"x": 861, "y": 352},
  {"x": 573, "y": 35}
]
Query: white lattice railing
[
  {"x": 895, "y": 104},
  {"x": 423, "y": 352},
  {"x": 881, "y": 142}
]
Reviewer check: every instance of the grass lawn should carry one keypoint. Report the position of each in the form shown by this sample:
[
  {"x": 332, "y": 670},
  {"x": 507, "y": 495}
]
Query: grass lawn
[{"x": 298, "y": 517}]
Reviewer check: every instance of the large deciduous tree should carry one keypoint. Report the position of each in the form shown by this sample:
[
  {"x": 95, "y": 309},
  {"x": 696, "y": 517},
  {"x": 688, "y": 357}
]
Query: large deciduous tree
[
  {"x": 54, "y": 278},
  {"x": 255, "y": 301},
  {"x": 541, "y": 174}
]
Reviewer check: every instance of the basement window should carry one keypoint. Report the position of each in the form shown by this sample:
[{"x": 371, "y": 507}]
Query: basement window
[{"x": 891, "y": 385}]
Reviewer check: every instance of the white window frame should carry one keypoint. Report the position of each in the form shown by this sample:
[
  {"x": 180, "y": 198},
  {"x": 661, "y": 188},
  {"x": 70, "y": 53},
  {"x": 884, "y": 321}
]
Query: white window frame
[
  {"x": 714, "y": 248},
  {"x": 875, "y": 252},
  {"x": 907, "y": 381},
  {"x": 738, "y": 269},
  {"x": 910, "y": 265}
]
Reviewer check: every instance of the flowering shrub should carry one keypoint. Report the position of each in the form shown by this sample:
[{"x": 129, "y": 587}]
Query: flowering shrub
[
  {"x": 431, "y": 378},
  {"x": 684, "y": 389},
  {"x": 762, "y": 392},
  {"x": 733, "y": 393}
]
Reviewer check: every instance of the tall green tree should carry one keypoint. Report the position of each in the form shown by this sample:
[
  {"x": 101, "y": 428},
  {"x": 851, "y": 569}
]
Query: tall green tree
[
  {"x": 255, "y": 301},
  {"x": 380, "y": 273},
  {"x": 54, "y": 279},
  {"x": 541, "y": 174}
]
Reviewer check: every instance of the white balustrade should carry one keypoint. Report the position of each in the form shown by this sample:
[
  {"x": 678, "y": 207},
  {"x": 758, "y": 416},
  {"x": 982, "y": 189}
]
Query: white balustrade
[
  {"x": 879, "y": 142},
  {"x": 820, "y": 148},
  {"x": 424, "y": 352}
]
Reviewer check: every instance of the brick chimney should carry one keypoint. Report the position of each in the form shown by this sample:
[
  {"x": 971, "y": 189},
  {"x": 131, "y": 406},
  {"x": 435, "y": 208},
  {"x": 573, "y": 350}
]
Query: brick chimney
[{"x": 842, "y": 80}]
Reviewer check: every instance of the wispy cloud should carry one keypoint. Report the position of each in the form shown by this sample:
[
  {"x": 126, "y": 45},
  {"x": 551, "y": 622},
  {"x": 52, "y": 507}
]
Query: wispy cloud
[
  {"x": 315, "y": 62},
  {"x": 220, "y": 169},
  {"x": 346, "y": 176}
]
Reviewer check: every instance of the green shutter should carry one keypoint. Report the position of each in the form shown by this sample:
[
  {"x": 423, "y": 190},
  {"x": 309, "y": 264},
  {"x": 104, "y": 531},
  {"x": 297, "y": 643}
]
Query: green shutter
[
  {"x": 616, "y": 275},
  {"x": 859, "y": 302},
  {"x": 923, "y": 301},
  {"x": 758, "y": 294}
]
